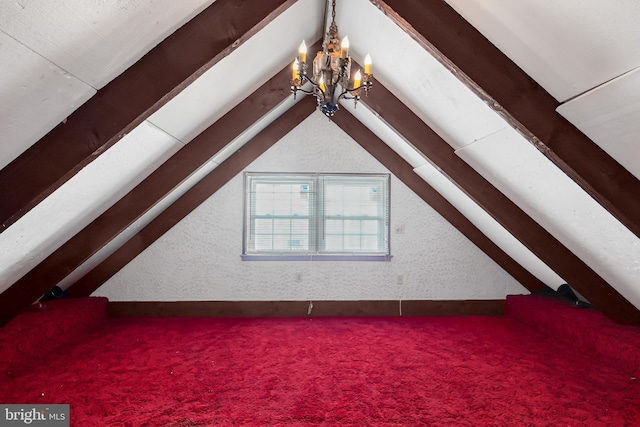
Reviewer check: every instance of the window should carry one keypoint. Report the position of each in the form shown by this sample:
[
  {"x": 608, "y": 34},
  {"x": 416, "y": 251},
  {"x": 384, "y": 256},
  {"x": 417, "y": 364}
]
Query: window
[{"x": 316, "y": 216}]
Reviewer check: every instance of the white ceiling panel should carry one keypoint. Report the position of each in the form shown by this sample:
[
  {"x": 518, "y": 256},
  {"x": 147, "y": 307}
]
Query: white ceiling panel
[
  {"x": 81, "y": 199},
  {"x": 450, "y": 191},
  {"x": 35, "y": 95},
  {"x": 430, "y": 90},
  {"x": 567, "y": 46},
  {"x": 489, "y": 226},
  {"x": 237, "y": 75},
  {"x": 176, "y": 193},
  {"x": 94, "y": 40},
  {"x": 610, "y": 116},
  {"x": 558, "y": 204},
  {"x": 385, "y": 132}
]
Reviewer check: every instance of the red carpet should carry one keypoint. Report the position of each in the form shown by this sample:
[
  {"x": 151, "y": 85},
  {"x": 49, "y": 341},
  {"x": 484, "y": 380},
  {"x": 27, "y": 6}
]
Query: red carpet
[{"x": 435, "y": 371}]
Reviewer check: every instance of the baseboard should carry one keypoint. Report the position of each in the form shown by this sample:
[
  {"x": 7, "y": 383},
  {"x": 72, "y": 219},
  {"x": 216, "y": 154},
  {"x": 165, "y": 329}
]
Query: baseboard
[{"x": 306, "y": 308}]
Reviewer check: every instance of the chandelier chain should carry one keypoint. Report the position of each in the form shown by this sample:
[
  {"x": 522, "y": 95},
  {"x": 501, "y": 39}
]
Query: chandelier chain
[
  {"x": 333, "y": 28},
  {"x": 333, "y": 11}
]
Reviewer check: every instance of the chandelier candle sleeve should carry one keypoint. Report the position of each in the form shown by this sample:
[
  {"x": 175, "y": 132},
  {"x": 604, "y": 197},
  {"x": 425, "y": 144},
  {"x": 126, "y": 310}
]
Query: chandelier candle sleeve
[
  {"x": 296, "y": 67},
  {"x": 357, "y": 79}
]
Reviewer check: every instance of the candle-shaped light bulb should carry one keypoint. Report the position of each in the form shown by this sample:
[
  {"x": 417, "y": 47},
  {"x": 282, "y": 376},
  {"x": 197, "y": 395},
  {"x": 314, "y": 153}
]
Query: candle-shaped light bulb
[
  {"x": 321, "y": 84},
  {"x": 296, "y": 67},
  {"x": 357, "y": 79},
  {"x": 302, "y": 50},
  {"x": 344, "y": 47},
  {"x": 367, "y": 64}
]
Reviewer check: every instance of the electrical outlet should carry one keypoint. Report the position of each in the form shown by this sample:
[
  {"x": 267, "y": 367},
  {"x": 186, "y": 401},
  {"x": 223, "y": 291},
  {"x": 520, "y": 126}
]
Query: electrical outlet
[
  {"x": 399, "y": 228},
  {"x": 399, "y": 279},
  {"x": 298, "y": 277}
]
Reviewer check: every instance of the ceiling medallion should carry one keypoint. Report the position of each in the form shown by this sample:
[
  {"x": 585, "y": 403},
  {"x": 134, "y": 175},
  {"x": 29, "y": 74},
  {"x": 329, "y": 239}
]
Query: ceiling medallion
[{"x": 331, "y": 71}]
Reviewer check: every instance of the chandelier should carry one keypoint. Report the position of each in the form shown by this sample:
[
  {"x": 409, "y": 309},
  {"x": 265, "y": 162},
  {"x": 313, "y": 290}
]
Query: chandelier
[{"x": 331, "y": 71}]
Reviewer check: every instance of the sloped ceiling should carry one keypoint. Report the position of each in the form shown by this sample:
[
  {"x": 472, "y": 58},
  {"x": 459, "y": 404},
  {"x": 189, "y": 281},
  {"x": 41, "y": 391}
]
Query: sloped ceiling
[{"x": 522, "y": 115}]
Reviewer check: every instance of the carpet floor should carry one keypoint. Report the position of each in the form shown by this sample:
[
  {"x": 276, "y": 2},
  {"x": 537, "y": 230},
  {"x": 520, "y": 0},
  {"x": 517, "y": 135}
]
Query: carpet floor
[{"x": 433, "y": 371}]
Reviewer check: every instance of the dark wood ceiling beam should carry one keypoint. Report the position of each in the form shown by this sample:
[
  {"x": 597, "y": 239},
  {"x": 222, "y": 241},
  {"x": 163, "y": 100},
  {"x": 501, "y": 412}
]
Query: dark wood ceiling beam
[
  {"x": 520, "y": 100},
  {"x": 404, "y": 172},
  {"x": 546, "y": 247},
  {"x": 193, "y": 198},
  {"x": 123, "y": 213},
  {"x": 129, "y": 99}
]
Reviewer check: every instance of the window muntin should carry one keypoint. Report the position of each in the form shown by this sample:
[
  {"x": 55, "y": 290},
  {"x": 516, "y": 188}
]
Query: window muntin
[{"x": 316, "y": 215}]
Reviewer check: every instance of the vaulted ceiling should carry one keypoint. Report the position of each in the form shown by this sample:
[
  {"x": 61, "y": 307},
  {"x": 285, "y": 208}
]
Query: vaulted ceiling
[{"x": 516, "y": 120}]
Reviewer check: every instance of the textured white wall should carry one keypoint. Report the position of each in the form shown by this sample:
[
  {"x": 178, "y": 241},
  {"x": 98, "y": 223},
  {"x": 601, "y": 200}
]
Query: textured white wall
[{"x": 199, "y": 258}]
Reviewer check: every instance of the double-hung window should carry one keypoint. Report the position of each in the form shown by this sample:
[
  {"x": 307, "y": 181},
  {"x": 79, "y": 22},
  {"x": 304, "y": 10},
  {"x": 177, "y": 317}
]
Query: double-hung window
[{"x": 316, "y": 216}]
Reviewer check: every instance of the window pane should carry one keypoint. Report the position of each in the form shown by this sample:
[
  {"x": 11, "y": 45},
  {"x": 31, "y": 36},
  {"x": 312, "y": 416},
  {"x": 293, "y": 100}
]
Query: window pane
[
  {"x": 290, "y": 234},
  {"x": 264, "y": 226},
  {"x": 299, "y": 242},
  {"x": 333, "y": 226},
  {"x": 371, "y": 244},
  {"x": 281, "y": 226},
  {"x": 263, "y": 242},
  {"x": 281, "y": 242},
  {"x": 334, "y": 243},
  {"x": 356, "y": 207},
  {"x": 352, "y": 226},
  {"x": 280, "y": 199},
  {"x": 370, "y": 227},
  {"x": 300, "y": 226},
  {"x": 352, "y": 243}
]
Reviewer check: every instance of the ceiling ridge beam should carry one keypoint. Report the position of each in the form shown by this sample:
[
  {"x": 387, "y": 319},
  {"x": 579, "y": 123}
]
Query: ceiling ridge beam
[
  {"x": 538, "y": 240},
  {"x": 134, "y": 204},
  {"x": 193, "y": 198},
  {"x": 129, "y": 99},
  {"x": 405, "y": 173},
  {"x": 522, "y": 102}
]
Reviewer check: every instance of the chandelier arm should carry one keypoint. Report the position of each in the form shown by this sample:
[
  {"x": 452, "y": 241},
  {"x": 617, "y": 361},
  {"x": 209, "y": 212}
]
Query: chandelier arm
[
  {"x": 349, "y": 94},
  {"x": 307, "y": 78},
  {"x": 366, "y": 86},
  {"x": 308, "y": 92}
]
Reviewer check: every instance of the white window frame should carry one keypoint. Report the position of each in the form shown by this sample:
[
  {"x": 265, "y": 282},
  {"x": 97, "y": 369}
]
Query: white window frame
[{"x": 314, "y": 248}]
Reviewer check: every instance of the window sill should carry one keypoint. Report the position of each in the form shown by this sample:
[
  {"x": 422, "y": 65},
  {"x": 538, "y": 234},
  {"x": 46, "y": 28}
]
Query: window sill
[{"x": 316, "y": 257}]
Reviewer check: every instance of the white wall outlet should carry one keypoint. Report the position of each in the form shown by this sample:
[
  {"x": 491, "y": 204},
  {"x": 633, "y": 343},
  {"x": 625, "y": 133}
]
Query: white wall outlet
[{"x": 399, "y": 279}]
